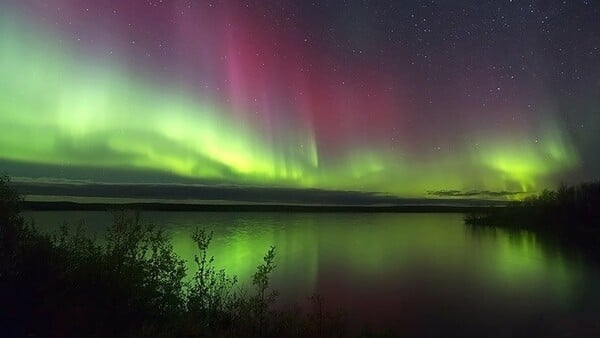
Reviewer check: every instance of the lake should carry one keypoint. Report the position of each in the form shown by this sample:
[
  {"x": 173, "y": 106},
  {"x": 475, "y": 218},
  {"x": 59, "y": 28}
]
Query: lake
[{"x": 418, "y": 274}]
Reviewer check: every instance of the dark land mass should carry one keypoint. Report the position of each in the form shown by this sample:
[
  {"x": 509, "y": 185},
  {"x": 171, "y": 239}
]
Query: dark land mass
[
  {"x": 569, "y": 216},
  {"x": 568, "y": 209},
  {"x": 73, "y": 206}
]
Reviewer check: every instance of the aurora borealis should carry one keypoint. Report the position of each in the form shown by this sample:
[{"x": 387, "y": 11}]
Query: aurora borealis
[{"x": 400, "y": 98}]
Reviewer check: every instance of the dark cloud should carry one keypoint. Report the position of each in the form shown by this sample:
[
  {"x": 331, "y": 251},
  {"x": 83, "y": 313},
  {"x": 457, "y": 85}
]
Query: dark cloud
[
  {"x": 473, "y": 193},
  {"x": 225, "y": 194}
]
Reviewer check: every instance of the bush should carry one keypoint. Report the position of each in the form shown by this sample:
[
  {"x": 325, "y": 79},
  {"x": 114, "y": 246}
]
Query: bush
[{"x": 133, "y": 284}]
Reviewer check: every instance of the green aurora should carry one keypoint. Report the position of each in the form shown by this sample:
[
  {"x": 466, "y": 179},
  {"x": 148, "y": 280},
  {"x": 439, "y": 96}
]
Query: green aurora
[{"x": 60, "y": 106}]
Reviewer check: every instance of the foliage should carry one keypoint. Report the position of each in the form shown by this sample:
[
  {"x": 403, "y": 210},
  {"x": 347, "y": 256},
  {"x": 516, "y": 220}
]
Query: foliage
[
  {"x": 569, "y": 216},
  {"x": 131, "y": 284},
  {"x": 568, "y": 208},
  {"x": 211, "y": 297}
]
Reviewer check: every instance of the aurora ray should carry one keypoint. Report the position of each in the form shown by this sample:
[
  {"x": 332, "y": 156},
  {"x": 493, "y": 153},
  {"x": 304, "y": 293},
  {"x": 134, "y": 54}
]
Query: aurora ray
[{"x": 220, "y": 95}]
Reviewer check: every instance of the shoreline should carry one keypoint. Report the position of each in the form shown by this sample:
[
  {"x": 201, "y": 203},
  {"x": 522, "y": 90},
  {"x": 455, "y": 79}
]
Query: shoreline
[{"x": 75, "y": 206}]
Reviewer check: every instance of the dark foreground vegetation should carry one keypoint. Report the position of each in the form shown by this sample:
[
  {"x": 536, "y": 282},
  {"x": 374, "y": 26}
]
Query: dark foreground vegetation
[
  {"x": 570, "y": 213},
  {"x": 133, "y": 285}
]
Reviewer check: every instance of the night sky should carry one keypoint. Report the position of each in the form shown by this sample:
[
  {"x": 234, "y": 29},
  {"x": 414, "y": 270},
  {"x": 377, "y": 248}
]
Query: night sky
[{"x": 486, "y": 99}]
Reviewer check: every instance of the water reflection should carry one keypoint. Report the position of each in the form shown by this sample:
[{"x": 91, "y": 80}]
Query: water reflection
[{"x": 412, "y": 270}]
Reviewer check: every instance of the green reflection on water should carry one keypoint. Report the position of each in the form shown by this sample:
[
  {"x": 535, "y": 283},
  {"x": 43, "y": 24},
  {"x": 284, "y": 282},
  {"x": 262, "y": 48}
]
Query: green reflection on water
[
  {"x": 384, "y": 249},
  {"x": 520, "y": 260},
  {"x": 362, "y": 253}
]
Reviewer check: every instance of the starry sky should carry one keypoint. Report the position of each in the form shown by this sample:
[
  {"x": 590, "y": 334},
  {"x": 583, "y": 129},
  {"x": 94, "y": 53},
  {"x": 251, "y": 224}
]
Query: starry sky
[{"x": 403, "y": 99}]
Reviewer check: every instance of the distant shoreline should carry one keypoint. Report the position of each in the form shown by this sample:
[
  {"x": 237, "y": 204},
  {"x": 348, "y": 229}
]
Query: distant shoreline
[{"x": 75, "y": 206}]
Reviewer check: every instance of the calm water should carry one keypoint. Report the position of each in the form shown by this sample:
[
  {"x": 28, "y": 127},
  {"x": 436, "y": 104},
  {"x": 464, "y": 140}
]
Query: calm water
[{"x": 424, "y": 274}]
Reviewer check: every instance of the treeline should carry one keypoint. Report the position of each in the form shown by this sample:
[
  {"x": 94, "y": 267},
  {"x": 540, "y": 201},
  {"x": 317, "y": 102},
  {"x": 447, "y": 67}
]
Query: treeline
[
  {"x": 569, "y": 208},
  {"x": 133, "y": 285}
]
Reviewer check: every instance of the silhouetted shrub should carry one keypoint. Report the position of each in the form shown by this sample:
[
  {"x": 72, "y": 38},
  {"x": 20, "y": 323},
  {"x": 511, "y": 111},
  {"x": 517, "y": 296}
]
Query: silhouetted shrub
[{"x": 131, "y": 284}]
